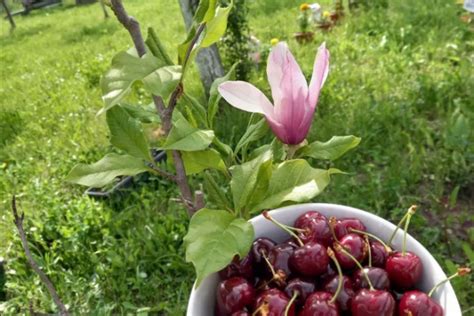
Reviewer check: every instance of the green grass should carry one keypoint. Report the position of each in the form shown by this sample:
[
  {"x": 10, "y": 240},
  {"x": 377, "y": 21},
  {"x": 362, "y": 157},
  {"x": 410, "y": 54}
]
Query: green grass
[{"x": 401, "y": 78}]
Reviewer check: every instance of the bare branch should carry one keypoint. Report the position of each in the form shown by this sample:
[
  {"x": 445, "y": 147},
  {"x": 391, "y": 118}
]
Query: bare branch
[{"x": 18, "y": 220}]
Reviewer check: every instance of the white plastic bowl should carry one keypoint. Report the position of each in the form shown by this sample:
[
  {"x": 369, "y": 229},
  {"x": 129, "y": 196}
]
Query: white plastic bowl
[{"x": 202, "y": 299}]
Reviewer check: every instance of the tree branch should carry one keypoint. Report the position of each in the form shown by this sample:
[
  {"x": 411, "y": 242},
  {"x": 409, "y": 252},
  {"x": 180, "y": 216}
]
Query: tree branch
[
  {"x": 18, "y": 220},
  {"x": 166, "y": 113},
  {"x": 162, "y": 173}
]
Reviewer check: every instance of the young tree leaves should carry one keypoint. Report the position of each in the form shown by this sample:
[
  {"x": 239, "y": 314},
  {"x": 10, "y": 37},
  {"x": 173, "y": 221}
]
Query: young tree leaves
[
  {"x": 296, "y": 181},
  {"x": 105, "y": 170},
  {"x": 254, "y": 132},
  {"x": 183, "y": 136},
  {"x": 216, "y": 27},
  {"x": 127, "y": 134},
  {"x": 330, "y": 150},
  {"x": 197, "y": 161},
  {"x": 250, "y": 181},
  {"x": 157, "y": 48},
  {"x": 214, "y": 237},
  {"x": 163, "y": 81}
]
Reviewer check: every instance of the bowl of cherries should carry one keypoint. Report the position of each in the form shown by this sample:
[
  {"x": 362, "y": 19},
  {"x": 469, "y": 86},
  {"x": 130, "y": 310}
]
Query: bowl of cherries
[{"x": 326, "y": 259}]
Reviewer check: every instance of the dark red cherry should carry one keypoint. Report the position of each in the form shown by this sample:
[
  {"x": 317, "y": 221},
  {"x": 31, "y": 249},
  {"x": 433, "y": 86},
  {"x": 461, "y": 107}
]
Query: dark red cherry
[
  {"x": 241, "y": 313},
  {"x": 261, "y": 246},
  {"x": 318, "y": 304},
  {"x": 316, "y": 228},
  {"x": 416, "y": 303},
  {"x": 279, "y": 258},
  {"x": 378, "y": 277},
  {"x": 234, "y": 295},
  {"x": 345, "y": 295},
  {"x": 272, "y": 302},
  {"x": 379, "y": 254},
  {"x": 327, "y": 275},
  {"x": 373, "y": 303},
  {"x": 343, "y": 226},
  {"x": 243, "y": 268},
  {"x": 355, "y": 245},
  {"x": 309, "y": 260},
  {"x": 404, "y": 271},
  {"x": 302, "y": 287}
]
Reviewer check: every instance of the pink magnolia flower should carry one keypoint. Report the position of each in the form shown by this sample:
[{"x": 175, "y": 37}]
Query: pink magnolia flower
[{"x": 294, "y": 102}]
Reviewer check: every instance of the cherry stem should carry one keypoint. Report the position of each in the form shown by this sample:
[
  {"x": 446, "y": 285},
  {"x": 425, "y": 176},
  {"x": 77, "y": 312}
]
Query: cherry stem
[
  {"x": 358, "y": 265},
  {"x": 332, "y": 223},
  {"x": 286, "y": 228},
  {"x": 460, "y": 272},
  {"x": 293, "y": 298},
  {"x": 369, "y": 250},
  {"x": 339, "y": 271},
  {"x": 412, "y": 210},
  {"x": 269, "y": 265},
  {"x": 371, "y": 236},
  {"x": 407, "y": 223}
]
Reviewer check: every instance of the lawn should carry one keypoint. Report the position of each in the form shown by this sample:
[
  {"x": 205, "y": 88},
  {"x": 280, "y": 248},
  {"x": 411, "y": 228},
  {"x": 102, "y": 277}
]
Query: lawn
[{"x": 401, "y": 79}]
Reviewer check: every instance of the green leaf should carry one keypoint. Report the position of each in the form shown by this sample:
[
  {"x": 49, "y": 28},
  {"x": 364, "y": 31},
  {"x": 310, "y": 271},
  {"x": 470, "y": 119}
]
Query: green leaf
[
  {"x": 183, "y": 47},
  {"x": 254, "y": 132},
  {"x": 125, "y": 70},
  {"x": 250, "y": 181},
  {"x": 216, "y": 27},
  {"x": 106, "y": 170},
  {"x": 183, "y": 136},
  {"x": 205, "y": 11},
  {"x": 157, "y": 48},
  {"x": 330, "y": 150},
  {"x": 127, "y": 133},
  {"x": 198, "y": 110},
  {"x": 215, "y": 192},
  {"x": 215, "y": 97},
  {"x": 197, "y": 161},
  {"x": 214, "y": 237},
  {"x": 296, "y": 181},
  {"x": 163, "y": 81},
  {"x": 145, "y": 114}
]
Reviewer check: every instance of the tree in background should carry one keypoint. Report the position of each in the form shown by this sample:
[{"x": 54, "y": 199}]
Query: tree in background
[{"x": 236, "y": 40}]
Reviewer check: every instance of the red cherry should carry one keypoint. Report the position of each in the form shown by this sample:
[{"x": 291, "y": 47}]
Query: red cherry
[
  {"x": 315, "y": 226},
  {"x": 355, "y": 245},
  {"x": 240, "y": 313},
  {"x": 379, "y": 254},
  {"x": 233, "y": 295},
  {"x": 318, "y": 304},
  {"x": 310, "y": 260},
  {"x": 243, "y": 268},
  {"x": 373, "y": 303},
  {"x": 327, "y": 275},
  {"x": 404, "y": 271},
  {"x": 343, "y": 226},
  {"x": 260, "y": 247},
  {"x": 345, "y": 295},
  {"x": 279, "y": 259},
  {"x": 416, "y": 303},
  {"x": 378, "y": 277},
  {"x": 302, "y": 287},
  {"x": 273, "y": 302}
]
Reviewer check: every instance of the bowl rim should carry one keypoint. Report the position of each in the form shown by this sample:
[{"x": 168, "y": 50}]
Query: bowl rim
[{"x": 448, "y": 291}]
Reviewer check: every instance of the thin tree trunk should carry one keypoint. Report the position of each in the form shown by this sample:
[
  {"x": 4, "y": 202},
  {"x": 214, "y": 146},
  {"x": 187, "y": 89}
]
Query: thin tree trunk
[
  {"x": 9, "y": 15},
  {"x": 207, "y": 59},
  {"x": 106, "y": 14}
]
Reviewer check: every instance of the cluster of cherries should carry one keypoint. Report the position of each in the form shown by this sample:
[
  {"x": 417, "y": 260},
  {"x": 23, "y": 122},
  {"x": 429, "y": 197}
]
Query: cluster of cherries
[{"x": 327, "y": 267}]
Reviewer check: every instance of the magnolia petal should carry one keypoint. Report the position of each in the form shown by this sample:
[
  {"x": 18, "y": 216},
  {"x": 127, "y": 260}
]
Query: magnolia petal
[
  {"x": 283, "y": 73},
  {"x": 246, "y": 97},
  {"x": 320, "y": 73}
]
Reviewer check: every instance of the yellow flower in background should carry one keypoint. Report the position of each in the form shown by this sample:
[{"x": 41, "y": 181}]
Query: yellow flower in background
[
  {"x": 326, "y": 14},
  {"x": 304, "y": 7},
  {"x": 274, "y": 41}
]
